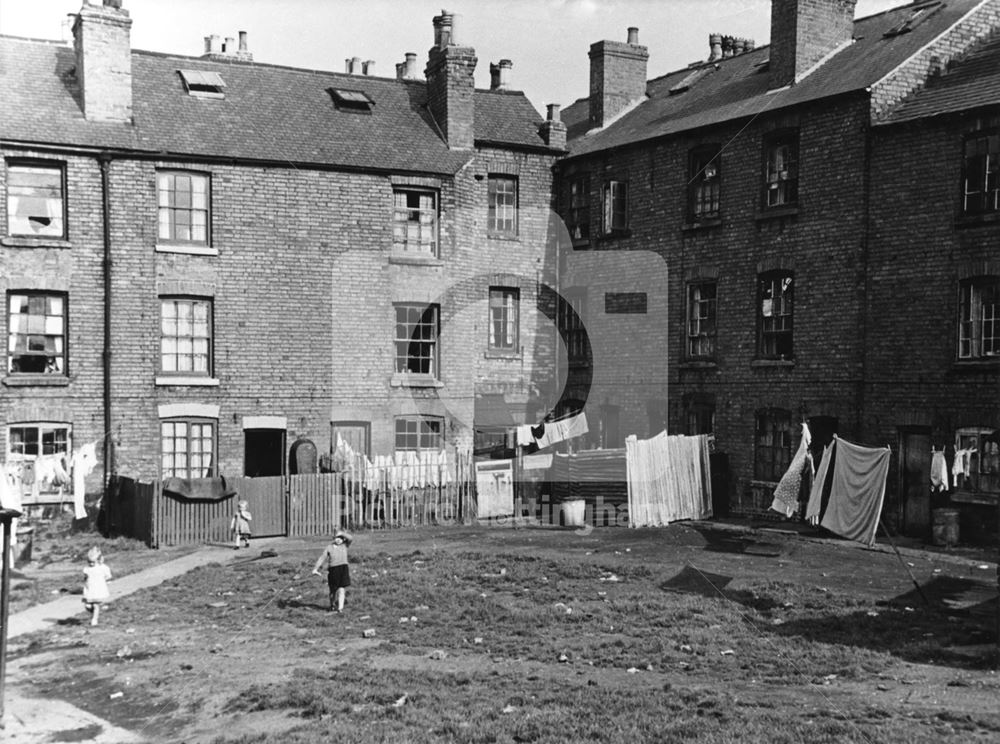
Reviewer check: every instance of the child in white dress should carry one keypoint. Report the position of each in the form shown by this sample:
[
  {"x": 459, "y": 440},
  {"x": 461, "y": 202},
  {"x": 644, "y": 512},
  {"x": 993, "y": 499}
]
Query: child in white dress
[{"x": 95, "y": 586}]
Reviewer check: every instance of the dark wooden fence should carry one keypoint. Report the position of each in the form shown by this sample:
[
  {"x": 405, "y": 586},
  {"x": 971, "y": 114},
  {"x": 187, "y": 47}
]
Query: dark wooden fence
[{"x": 294, "y": 505}]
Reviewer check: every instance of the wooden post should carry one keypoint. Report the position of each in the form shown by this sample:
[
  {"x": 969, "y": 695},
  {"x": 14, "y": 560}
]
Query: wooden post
[{"x": 7, "y": 517}]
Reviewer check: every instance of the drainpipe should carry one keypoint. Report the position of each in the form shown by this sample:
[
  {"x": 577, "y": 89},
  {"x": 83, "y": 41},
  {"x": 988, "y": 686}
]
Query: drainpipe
[{"x": 104, "y": 159}]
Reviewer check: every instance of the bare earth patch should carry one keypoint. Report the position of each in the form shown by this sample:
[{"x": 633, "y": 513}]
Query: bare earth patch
[{"x": 540, "y": 635}]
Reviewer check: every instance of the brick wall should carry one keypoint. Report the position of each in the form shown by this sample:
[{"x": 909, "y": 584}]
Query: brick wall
[{"x": 821, "y": 242}]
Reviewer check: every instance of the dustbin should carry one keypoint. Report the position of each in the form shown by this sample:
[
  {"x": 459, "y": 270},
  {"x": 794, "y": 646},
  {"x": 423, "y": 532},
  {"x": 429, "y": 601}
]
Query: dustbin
[
  {"x": 944, "y": 527},
  {"x": 22, "y": 549},
  {"x": 574, "y": 513}
]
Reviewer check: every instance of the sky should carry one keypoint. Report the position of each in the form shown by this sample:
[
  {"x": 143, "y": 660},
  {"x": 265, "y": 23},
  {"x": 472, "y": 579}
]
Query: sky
[{"x": 547, "y": 40}]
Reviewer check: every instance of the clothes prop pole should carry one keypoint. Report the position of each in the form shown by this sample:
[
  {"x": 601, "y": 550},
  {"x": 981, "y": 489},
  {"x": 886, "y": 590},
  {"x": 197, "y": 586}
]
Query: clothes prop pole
[
  {"x": 903, "y": 563},
  {"x": 7, "y": 517}
]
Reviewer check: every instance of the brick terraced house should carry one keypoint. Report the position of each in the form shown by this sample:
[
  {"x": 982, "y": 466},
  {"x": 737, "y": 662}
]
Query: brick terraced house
[
  {"x": 827, "y": 210},
  {"x": 205, "y": 259}
]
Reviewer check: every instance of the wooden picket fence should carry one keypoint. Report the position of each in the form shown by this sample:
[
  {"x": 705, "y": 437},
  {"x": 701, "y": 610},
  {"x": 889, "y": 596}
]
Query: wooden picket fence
[{"x": 293, "y": 505}]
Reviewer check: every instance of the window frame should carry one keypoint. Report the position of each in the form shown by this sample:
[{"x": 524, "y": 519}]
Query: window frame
[
  {"x": 22, "y": 458},
  {"x": 614, "y": 207},
  {"x": 772, "y": 459},
  {"x": 502, "y": 218},
  {"x": 402, "y": 216},
  {"x": 46, "y": 295},
  {"x": 403, "y": 361},
  {"x": 765, "y": 335},
  {"x": 704, "y": 171},
  {"x": 506, "y": 300},
  {"x": 786, "y": 188},
  {"x": 38, "y": 164},
  {"x": 695, "y": 336},
  {"x": 573, "y": 326},
  {"x": 172, "y": 210},
  {"x": 578, "y": 209},
  {"x": 991, "y": 169},
  {"x": 189, "y": 422},
  {"x": 420, "y": 420},
  {"x": 975, "y": 334},
  {"x": 982, "y": 435},
  {"x": 209, "y": 339}
]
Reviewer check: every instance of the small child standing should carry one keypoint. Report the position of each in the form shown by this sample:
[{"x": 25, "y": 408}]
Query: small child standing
[
  {"x": 338, "y": 576},
  {"x": 95, "y": 585},
  {"x": 240, "y": 525}
]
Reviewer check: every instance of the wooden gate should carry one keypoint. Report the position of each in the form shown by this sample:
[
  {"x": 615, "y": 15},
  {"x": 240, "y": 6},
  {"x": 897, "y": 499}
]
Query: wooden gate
[{"x": 266, "y": 499}]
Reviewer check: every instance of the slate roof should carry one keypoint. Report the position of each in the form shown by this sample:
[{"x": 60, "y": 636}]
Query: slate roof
[
  {"x": 269, "y": 113},
  {"x": 972, "y": 83},
  {"x": 737, "y": 87}
]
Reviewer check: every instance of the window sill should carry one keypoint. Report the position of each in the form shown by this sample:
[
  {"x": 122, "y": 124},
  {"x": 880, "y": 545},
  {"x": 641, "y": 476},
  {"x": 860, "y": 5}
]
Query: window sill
[
  {"x": 972, "y": 366},
  {"x": 500, "y": 354},
  {"x": 975, "y": 497},
  {"x": 25, "y": 241},
  {"x": 701, "y": 225},
  {"x": 414, "y": 260},
  {"x": 169, "y": 381},
  {"x": 772, "y": 363},
  {"x": 764, "y": 484},
  {"x": 581, "y": 244},
  {"x": 770, "y": 213},
  {"x": 191, "y": 250},
  {"x": 977, "y": 220},
  {"x": 698, "y": 364},
  {"x": 28, "y": 380},
  {"x": 616, "y": 234},
  {"x": 502, "y": 236},
  {"x": 400, "y": 379}
]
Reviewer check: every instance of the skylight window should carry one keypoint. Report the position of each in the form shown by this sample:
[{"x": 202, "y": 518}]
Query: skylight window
[
  {"x": 918, "y": 15},
  {"x": 351, "y": 100},
  {"x": 203, "y": 83}
]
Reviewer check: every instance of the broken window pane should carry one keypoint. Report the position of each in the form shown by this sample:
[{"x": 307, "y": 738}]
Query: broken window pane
[{"x": 35, "y": 201}]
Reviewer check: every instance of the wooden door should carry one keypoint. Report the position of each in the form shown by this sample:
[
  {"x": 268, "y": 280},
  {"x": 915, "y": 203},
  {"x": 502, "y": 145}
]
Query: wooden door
[{"x": 915, "y": 482}]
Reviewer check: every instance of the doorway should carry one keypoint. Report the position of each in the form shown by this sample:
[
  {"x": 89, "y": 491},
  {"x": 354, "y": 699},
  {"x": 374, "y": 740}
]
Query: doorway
[
  {"x": 263, "y": 452},
  {"x": 914, "y": 481}
]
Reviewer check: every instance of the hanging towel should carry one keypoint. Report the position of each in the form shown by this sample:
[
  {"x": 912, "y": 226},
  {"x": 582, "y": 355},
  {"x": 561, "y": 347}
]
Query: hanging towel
[
  {"x": 786, "y": 495},
  {"x": 939, "y": 471},
  {"x": 815, "y": 505},
  {"x": 559, "y": 431},
  {"x": 857, "y": 488},
  {"x": 524, "y": 436},
  {"x": 84, "y": 461}
]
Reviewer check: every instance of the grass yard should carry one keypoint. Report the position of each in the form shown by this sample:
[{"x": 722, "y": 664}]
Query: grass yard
[{"x": 479, "y": 635}]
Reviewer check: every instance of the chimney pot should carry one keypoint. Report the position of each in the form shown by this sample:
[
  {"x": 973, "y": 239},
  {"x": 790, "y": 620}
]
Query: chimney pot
[
  {"x": 216, "y": 44},
  {"x": 369, "y": 67},
  {"x": 230, "y": 46},
  {"x": 208, "y": 44},
  {"x": 715, "y": 47},
  {"x": 749, "y": 44},
  {"x": 454, "y": 38},
  {"x": 442, "y": 29},
  {"x": 117, "y": 4},
  {"x": 633, "y": 35},
  {"x": 243, "y": 41},
  {"x": 552, "y": 112}
]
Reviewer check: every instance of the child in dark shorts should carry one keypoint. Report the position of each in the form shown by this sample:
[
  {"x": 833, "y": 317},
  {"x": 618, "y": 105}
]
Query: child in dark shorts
[{"x": 338, "y": 576}]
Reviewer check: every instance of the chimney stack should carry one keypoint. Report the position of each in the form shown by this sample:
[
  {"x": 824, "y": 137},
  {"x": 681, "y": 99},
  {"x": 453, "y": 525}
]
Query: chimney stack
[
  {"x": 803, "y": 32},
  {"x": 553, "y": 130},
  {"x": 101, "y": 41},
  {"x": 451, "y": 86},
  {"x": 617, "y": 76}
]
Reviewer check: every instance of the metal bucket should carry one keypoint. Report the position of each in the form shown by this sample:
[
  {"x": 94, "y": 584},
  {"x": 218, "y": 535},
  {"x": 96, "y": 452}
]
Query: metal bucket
[{"x": 944, "y": 529}]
